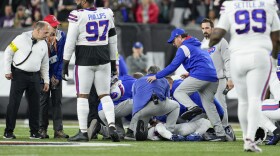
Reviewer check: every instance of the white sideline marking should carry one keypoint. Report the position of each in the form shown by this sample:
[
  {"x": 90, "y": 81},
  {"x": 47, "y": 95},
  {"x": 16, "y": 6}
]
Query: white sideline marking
[{"x": 64, "y": 144}]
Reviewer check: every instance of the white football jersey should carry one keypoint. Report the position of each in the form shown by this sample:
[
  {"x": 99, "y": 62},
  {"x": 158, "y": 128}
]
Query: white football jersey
[
  {"x": 250, "y": 24},
  {"x": 88, "y": 27}
]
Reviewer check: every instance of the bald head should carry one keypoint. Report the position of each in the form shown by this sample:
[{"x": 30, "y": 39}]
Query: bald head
[{"x": 41, "y": 30}]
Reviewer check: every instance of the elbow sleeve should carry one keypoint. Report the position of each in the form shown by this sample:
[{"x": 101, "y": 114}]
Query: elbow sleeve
[{"x": 113, "y": 47}]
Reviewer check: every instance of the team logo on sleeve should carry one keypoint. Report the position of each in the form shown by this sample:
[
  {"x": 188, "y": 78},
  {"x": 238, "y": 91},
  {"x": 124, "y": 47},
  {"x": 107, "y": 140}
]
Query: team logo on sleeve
[{"x": 211, "y": 50}]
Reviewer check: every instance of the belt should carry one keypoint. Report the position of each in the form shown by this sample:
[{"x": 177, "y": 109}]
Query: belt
[{"x": 25, "y": 72}]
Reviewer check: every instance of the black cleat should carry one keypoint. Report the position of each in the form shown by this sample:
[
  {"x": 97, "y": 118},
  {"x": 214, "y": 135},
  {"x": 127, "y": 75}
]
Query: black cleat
[
  {"x": 93, "y": 129},
  {"x": 192, "y": 112},
  {"x": 113, "y": 134},
  {"x": 141, "y": 131},
  {"x": 9, "y": 135},
  {"x": 44, "y": 134},
  {"x": 60, "y": 134},
  {"x": 79, "y": 137},
  {"x": 230, "y": 136},
  {"x": 129, "y": 135},
  {"x": 35, "y": 135}
]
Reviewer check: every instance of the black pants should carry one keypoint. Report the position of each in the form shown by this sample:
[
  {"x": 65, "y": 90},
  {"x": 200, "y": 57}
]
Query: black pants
[
  {"x": 93, "y": 105},
  {"x": 55, "y": 96},
  {"x": 30, "y": 83}
]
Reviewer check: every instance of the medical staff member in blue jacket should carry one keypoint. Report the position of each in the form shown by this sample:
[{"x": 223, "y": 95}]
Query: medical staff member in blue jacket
[
  {"x": 202, "y": 78},
  {"x": 56, "y": 42}
]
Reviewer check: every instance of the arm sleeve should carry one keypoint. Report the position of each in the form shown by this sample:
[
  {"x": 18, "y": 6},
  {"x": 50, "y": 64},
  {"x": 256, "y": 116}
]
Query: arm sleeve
[
  {"x": 226, "y": 57},
  {"x": 45, "y": 67},
  {"x": 176, "y": 62},
  {"x": 73, "y": 32},
  {"x": 224, "y": 18},
  {"x": 113, "y": 40},
  {"x": 9, "y": 54}
]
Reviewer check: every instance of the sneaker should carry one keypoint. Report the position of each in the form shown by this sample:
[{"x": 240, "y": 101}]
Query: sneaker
[
  {"x": 9, "y": 135},
  {"x": 129, "y": 135},
  {"x": 44, "y": 134},
  {"x": 141, "y": 131},
  {"x": 114, "y": 134},
  {"x": 93, "y": 128},
  {"x": 60, "y": 134},
  {"x": 193, "y": 111},
  {"x": 275, "y": 139},
  {"x": 176, "y": 137},
  {"x": 81, "y": 137},
  {"x": 194, "y": 137},
  {"x": 35, "y": 135},
  {"x": 216, "y": 138},
  {"x": 230, "y": 136},
  {"x": 250, "y": 146}
]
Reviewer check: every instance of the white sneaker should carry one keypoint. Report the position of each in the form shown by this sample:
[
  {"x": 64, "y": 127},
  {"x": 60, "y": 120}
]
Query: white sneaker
[{"x": 250, "y": 146}]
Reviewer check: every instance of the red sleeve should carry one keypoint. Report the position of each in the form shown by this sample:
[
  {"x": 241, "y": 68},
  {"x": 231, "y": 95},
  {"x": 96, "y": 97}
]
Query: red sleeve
[
  {"x": 153, "y": 13},
  {"x": 139, "y": 16}
]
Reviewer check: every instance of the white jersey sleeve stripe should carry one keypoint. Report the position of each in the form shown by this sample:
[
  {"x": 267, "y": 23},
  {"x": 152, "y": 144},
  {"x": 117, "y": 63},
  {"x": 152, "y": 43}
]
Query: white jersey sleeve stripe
[
  {"x": 72, "y": 19},
  {"x": 186, "y": 50},
  {"x": 73, "y": 16}
]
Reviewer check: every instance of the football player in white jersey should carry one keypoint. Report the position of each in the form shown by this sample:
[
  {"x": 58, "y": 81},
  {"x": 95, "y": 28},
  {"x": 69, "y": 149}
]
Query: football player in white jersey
[
  {"x": 92, "y": 35},
  {"x": 254, "y": 27}
]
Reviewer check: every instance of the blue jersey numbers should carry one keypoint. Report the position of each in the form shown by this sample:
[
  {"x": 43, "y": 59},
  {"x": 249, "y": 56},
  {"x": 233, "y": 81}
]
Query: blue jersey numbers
[
  {"x": 243, "y": 17},
  {"x": 92, "y": 28}
]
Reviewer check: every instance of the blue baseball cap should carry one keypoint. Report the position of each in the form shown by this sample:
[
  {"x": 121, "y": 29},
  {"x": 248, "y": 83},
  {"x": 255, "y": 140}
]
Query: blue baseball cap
[
  {"x": 176, "y": 32},
  {"x": 137, "y": 45}
]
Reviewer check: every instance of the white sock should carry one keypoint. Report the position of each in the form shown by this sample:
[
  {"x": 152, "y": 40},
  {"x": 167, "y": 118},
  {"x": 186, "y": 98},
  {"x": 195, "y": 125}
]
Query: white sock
[
  {"x": 254, "y": 117},
  {"x": 266, "y": 123},
  {"x": 82, "y": 111},
  {"x": 162, "y": 131},
  {"x": 109, "y": 109},
  {"x": 242, "y": 117}
]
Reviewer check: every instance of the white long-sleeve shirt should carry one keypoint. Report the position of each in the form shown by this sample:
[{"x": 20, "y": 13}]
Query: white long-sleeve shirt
[
  {"x": 220, "y": 57},
  {"x": 19, "y": 49}
]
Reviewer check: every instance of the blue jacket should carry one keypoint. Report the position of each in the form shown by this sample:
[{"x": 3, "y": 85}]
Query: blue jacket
[
  {"x": 142, "y": 91},
  {"x": 127, "y": 82},
  {"x": 195, "y": 60},
  {"x": 56, "y": 68},
  {"x": 122, "y": 66}
]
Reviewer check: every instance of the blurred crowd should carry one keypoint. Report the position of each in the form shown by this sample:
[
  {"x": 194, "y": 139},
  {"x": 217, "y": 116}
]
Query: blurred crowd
[{"x": 180, "y": 13}]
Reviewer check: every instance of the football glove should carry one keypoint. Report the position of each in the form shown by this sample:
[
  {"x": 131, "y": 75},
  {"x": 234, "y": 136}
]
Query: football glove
[{"x": 65, "y": 69}]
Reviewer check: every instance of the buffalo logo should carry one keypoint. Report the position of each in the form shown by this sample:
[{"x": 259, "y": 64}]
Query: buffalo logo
[{"x": 211, "y": 50}]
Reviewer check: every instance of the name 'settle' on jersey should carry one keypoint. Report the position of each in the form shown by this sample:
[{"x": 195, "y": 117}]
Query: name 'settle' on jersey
[
  {"x": 249, "y": 4},
  {"x": 96, "y": 16}
]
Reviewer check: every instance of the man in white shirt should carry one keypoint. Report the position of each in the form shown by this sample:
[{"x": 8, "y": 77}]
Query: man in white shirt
[
  {"x": 254, "y": 28},
  {"x": 26, "y": 61}
]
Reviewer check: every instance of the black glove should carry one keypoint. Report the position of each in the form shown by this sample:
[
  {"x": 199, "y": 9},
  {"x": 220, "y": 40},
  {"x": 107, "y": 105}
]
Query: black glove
[
  {"x": 65, "y": 69},
  {"x": 114, "y": 78}
]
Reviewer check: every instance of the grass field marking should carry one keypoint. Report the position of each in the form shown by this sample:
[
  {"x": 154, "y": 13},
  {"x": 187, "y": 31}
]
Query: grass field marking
[{"x": 67, "y": 144}]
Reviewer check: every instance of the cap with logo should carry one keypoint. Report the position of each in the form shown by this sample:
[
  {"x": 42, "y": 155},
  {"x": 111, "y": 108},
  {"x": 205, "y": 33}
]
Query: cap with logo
[
  {"x": 176, "y": 32},
  {"x": 51, "y": 19}
]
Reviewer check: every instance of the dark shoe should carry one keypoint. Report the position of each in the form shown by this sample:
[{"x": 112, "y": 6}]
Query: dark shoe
[
  {"x": 275, "y": 139},
  {"x": 9, "y": 135},
  {"x": 81, "y": 137},
  {"x": 230, "y": 136},
  {"x": 129, "y": 135},
  {"x": 141, "y": 131},
  {"x": 114, "y": 134},
  {"x": 260, "y": 136},
  {"x": 35, "y": 135},
  {"x": 192, "y": 112},
  {"x": 93, "y": 129},
  {"x": 60, "y": 134},
  {"x": 44, "y": 134}
]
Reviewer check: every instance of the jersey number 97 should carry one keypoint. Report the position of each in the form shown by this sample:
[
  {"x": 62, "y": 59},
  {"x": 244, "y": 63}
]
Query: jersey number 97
[{"x": 92, "y": 28}]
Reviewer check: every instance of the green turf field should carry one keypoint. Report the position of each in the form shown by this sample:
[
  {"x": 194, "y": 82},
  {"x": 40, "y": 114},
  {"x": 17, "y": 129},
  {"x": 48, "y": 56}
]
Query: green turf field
[{"x": 146, "y": 148}]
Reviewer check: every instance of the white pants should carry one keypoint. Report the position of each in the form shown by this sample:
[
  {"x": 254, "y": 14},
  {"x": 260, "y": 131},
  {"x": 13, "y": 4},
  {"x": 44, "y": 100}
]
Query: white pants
[
  {"x": 100, "y": 75},
  {"x": 250, "y": 74}
]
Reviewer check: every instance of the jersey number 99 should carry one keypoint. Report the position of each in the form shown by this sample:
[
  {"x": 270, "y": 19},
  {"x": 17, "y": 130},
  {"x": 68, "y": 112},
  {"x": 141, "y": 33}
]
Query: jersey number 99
[
  {"x": 92, "y": 28},
  {"x": 258, "y": 16}
]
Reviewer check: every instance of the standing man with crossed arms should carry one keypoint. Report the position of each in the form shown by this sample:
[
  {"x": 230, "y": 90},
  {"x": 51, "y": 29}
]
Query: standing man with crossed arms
[
  {"x": 254, "y": 27},
  {"x": 92, "y": 35},
  {"x": 221, "y": 59}
]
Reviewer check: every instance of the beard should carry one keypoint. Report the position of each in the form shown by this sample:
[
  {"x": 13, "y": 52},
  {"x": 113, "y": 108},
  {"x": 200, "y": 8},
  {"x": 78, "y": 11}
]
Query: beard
[
  {"x": 206, "y": 35},
  {"x": 79, "y": 6}
]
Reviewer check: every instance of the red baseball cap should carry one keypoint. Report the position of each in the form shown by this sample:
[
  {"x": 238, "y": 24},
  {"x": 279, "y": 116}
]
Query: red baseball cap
[{"x": 51, "y": 19}]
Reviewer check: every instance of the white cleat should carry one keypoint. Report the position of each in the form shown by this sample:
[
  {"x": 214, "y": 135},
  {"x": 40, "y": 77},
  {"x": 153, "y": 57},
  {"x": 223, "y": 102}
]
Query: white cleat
[{"x": 250, "y": 146}]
